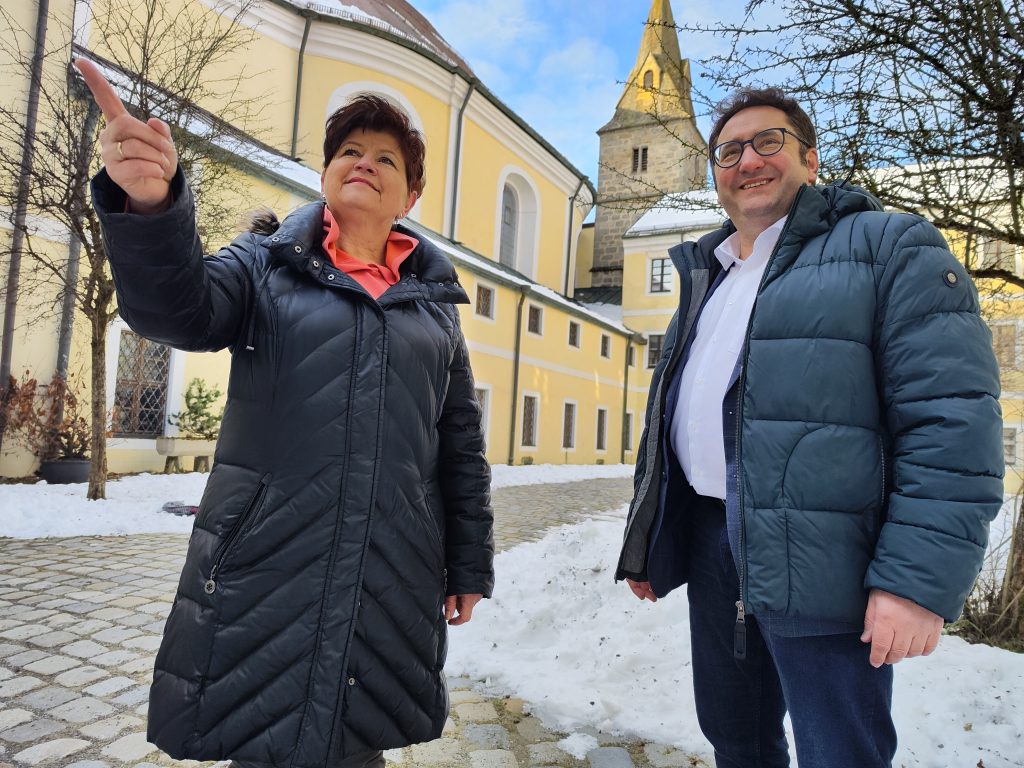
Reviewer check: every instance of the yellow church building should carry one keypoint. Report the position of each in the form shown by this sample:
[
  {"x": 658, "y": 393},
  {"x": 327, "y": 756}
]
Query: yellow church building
[
  {"x": 552, "y": 374},
  {"x": 566, "y": 317}
]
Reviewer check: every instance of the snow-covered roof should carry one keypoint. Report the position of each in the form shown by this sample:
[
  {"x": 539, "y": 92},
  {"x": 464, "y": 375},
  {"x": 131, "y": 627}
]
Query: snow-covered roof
[
  {"x": 481, "y": 265},
  {"x": 393, "y": 16},
  {"x": 680, "y": 212}
]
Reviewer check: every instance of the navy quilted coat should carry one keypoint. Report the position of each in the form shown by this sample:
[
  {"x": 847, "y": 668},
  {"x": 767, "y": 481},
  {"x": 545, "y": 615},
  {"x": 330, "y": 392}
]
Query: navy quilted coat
[
  {"x": 868, "y": 443},
  {"x": 349, "y": 491}
]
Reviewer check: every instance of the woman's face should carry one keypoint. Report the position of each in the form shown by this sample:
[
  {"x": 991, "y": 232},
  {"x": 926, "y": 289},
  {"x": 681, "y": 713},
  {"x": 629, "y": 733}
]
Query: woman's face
[{"x": 367, "y": 176}]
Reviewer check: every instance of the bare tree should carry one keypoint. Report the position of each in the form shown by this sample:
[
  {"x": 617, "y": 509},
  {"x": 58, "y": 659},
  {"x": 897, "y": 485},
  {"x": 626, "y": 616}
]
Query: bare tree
[
  {"x": 921, "y": 102},
  {"x": 163, "y": 60}
]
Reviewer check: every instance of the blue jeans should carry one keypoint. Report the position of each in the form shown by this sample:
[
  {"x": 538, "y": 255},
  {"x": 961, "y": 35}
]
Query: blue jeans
[{"x": 838, "y": 703}]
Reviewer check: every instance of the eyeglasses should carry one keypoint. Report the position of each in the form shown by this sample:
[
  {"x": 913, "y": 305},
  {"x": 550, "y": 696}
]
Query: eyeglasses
[{"x": 767, "y": 142}]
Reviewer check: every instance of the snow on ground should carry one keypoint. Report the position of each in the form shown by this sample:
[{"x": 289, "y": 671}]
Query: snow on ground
[
  {"x": 133, "y": 503},
  {"x": 581, "y": 650},
  {"x": 587, "y": 654}
]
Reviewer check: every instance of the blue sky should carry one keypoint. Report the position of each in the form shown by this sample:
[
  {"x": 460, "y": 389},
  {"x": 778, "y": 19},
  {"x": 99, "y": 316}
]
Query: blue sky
[{"x": 561, "y": 64}]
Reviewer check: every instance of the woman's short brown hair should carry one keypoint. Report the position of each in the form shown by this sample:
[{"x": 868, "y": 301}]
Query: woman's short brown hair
[
  {"x": 372, "y": 113},
  {"x": 763, "y": 97}
]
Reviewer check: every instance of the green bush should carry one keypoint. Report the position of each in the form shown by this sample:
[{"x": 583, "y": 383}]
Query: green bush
[{"x": 198, "y": 420}]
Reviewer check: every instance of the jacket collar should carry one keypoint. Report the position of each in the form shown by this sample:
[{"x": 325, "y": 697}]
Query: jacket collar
[
  {"x": 426, "y": 274},
  {"x": 815, "y": 211}
]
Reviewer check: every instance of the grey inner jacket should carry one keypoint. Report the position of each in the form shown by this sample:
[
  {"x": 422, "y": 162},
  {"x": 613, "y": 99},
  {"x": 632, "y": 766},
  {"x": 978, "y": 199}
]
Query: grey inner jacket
[
  {"x": 349, "y": 491},
  {"x": 867, "y": 450}
]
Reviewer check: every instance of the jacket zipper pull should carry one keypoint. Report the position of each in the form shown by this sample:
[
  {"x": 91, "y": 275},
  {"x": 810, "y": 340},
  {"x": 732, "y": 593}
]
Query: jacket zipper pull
[
  {"x": 739, "y": 633},
  {"x": 211, "y": 584}
]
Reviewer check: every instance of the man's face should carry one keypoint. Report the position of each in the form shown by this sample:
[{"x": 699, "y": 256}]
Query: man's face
[{"x": 758, "y": 191}]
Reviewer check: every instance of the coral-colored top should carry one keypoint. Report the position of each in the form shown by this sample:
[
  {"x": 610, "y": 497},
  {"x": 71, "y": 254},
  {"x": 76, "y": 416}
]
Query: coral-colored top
[{"x": 375, "y": 278}]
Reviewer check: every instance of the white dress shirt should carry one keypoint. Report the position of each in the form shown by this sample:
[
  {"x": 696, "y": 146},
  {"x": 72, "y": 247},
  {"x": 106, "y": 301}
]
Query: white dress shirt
[{"x": 697, "y": 430}]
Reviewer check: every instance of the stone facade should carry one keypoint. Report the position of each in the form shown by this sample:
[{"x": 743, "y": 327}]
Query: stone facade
[
  {"x": 651, "y": 147},
  {"x": 675, "y": 163}
]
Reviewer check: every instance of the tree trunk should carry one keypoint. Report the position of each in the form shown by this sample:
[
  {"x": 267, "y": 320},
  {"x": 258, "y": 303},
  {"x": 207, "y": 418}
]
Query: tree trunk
[
  {"x": 98, "y": 406},
  {"x": 1011, "y": 599}
]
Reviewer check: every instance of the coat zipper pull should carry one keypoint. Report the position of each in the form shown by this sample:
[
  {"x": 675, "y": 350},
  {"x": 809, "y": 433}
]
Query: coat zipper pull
[
  {"x": 211, "y": 584},
  {"x": 739, "y": 633}
]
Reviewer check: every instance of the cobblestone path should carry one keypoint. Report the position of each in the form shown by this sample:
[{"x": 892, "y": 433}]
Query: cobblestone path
[{"x": 81, "y": 618}]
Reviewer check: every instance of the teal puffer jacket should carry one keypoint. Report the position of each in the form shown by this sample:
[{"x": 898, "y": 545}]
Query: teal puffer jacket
[{"x": 868, "y": 430}]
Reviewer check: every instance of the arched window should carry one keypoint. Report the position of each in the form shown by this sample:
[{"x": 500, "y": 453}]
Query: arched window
[
  {"x": 509, "y": 226},
  {"x": 516, "y": 221},
  {"x": 649, "y": 80}
]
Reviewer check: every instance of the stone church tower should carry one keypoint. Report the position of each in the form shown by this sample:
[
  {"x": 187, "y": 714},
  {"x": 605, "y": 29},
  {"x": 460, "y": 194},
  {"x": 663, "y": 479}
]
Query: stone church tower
[{"x": 650, "y": 147}]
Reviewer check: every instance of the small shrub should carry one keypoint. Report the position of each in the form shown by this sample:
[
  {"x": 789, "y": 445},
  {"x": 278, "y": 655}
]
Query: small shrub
[{"x": 198, "y": 420}]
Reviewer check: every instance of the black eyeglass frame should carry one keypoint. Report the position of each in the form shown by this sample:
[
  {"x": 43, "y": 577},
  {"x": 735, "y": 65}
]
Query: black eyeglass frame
[{"x": 785, "y": 132}]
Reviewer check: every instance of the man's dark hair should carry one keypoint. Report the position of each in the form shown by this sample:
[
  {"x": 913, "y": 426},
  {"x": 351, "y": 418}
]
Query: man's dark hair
[
  {"x": 763, "y": 97},
  {"x": 373, "y": 113}
]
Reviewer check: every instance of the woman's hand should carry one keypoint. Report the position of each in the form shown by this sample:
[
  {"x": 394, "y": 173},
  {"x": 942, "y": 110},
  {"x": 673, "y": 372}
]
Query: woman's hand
[
  {"x": 139, "y": 156},
  {"x": 464, "y": 604}
]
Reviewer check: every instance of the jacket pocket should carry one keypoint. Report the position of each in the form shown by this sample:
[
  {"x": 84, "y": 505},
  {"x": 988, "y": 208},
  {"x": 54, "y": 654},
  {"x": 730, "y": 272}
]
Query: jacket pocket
[{"x": 248, "y": 514}]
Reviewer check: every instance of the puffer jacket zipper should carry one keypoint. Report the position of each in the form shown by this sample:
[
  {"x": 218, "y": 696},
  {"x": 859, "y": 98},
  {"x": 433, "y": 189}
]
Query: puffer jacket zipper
[
  {"x": 225, "y": 548},
  {"x": 740, "y": 628}
]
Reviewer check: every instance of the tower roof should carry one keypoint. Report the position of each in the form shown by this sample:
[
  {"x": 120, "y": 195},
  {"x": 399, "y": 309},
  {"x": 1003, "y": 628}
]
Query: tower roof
[
  {"x": 659, "y": 34},
  {"x": 658, "y": 88}
]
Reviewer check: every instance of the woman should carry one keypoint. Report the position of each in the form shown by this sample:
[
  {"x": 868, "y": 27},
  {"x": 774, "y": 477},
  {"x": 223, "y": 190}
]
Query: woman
[{"x": 347, "y": 515}]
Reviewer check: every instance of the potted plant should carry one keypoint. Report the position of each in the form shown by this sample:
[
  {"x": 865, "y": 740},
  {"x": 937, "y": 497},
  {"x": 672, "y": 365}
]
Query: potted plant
[
  {"x": 51, "y": 426},
  {"x": 198, "y": 423}
]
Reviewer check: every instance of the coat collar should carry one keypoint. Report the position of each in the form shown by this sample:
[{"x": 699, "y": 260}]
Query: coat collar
[
  {"x": 427, "y": 274},
  {"x": 815, "y": 211}
]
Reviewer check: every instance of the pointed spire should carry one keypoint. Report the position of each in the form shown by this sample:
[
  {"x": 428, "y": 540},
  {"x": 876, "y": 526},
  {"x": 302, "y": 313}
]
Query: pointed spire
[
  {"x": 659, "y": 34},
  {"x": 660, "y": 80}
]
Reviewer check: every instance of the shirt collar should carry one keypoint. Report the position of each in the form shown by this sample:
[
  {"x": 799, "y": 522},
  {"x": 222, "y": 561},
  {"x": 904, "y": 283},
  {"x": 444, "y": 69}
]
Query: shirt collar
[{"x": 728, "y": 251}]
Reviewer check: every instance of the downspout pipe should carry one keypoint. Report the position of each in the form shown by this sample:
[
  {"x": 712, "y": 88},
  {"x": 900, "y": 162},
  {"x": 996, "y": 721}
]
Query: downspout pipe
[
  {"x": 523, "y": 290},
  {"x": 568, "y": 235},
  {"x": 21, "y": 204},
  {"x": 298, "y": 82},
  {"x": 458, "y": 158},
  {"x": 625, "y": 399}
]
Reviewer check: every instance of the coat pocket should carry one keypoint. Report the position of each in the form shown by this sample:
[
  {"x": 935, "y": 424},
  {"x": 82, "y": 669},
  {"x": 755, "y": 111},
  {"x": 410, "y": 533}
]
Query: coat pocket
[{"x": 250, "y": 512}]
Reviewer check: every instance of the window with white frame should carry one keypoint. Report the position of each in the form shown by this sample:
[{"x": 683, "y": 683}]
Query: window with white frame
[
  {"x": 606, "y": 345},
  {"x": 602, "y": 429},
  {"x": 140, "y": 390},
  {"x": 1010, "y": 447},
  {"x": 627, "y": 432},
  {"x": 569, "y": 425},
  {"x": 509, "y": 226},
  {"x": 574, "y": 334},
  {"x": 654, "y": 344},
  {"x": 485, "y": 301},
  {"x": 996, "y": 254},
  {"x": 530, "y": 408},
  {"x": 661, "y": 276},
  {"x": 1004, "y": 342},
  {"x": 535, "y": 320}
]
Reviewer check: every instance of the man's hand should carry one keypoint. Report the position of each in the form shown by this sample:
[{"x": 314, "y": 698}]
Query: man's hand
[
  {"x": 139, "y": 156},
  {"x": 642, "y": 590},
  {"x": 464, "y": 604},
  {"x": 898, "y": 628}
]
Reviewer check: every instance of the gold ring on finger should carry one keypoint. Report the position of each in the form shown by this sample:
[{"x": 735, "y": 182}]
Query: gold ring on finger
[{"x": 119, "y": 150}]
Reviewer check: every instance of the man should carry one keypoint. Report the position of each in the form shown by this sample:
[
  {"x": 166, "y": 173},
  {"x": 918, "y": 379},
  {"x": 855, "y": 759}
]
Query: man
[{"x": 822, "y": 453}]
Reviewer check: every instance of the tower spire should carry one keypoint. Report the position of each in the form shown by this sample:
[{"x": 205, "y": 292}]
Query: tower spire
[
  {"x": 659, "y": 34},
  {"x": 660, "y": 80}
]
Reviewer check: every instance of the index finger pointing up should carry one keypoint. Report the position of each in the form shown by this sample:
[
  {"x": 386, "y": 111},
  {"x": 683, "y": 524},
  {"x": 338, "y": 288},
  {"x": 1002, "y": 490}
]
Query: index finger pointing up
[{"x": 102, "y": 91}]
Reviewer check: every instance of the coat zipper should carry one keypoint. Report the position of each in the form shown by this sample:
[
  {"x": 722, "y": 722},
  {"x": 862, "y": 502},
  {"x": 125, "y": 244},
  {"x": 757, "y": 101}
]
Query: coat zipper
[
  {"x": 254, "y": 504},
  {"x": 740, "y": 628}
]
